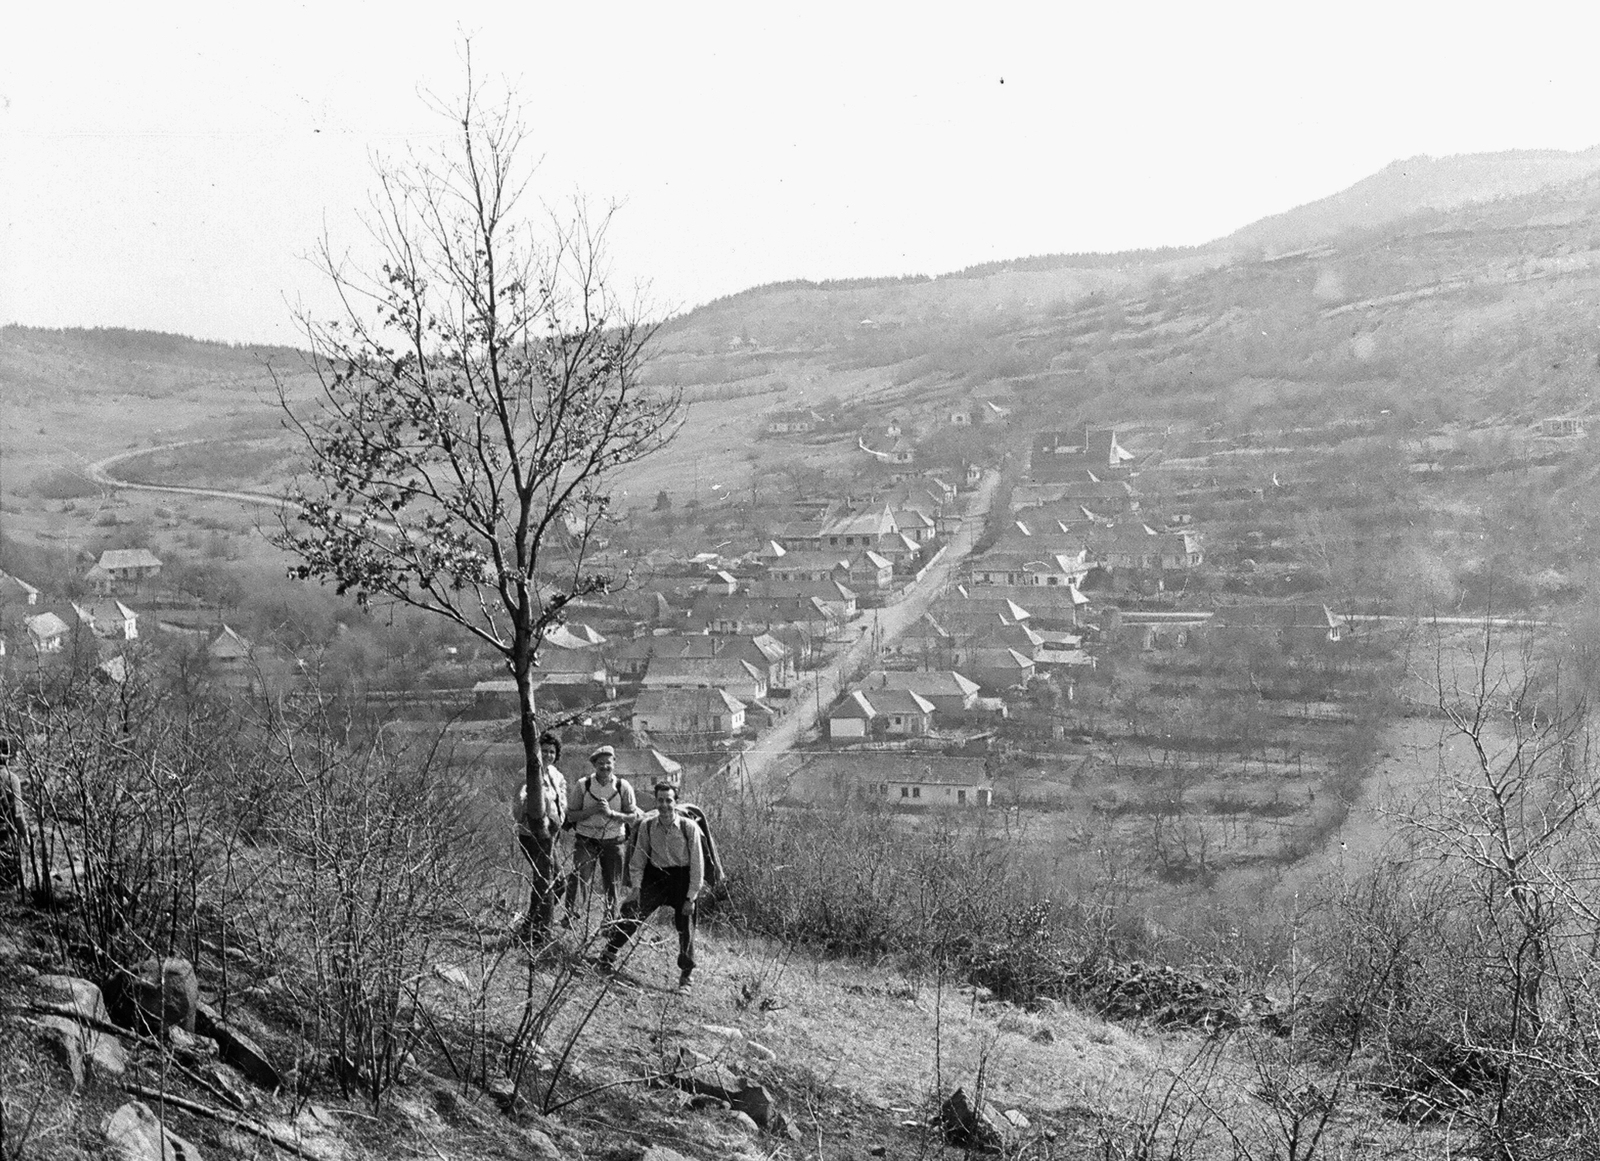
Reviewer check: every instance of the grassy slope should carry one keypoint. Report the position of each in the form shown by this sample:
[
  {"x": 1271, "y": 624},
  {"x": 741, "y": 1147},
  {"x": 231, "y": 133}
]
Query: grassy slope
[{"x": 852, "y": 1054}]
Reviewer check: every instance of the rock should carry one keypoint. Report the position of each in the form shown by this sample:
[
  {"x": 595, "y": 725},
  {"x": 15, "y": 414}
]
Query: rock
[
  {"x": 723, "y": 1031},
  {"x": 237, "y": 1049},
  {"x": 753, "y": 1099},
  {"x": 453, "y": 976},
  {"x": 64, "y": 1044},
  {"x": 706, "y": 1101},
  {"x": 1018, "y": 1119},
  {"x": 135, "y": 1134},
  {"x": 75, "y": 993},
  {"x": 760, "y": 1051},
  {"x": 972, "y": 1128},
  {"x": 661, "y": 1153},
  {"x": 107, "y": 1056},
  {"x": 230, "y": 1082},
  {"x": 81, "y": 1050},
  {"x": 780, "y": 1126},
  {"x": 540, "y": 1146},
  {"x": 161, "y": 993},
  {"x": 878, "y": 1150},
  {"x": 743, "y": 1121}
]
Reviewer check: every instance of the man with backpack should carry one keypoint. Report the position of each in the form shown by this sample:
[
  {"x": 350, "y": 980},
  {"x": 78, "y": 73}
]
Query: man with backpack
[
  {"x": 667, "y": 870},
  {"x": 600, "y": 810}
]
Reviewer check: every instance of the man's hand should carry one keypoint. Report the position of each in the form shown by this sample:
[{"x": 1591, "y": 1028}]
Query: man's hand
[{"x": 688, "y": 908}]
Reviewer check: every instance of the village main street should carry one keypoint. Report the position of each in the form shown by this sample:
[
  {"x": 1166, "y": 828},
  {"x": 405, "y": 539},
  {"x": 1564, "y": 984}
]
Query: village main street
[{"x": 874, "y": 628}]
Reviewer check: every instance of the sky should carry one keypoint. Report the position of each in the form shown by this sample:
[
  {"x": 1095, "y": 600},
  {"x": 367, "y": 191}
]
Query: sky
[{"x": 171, "y": 167}]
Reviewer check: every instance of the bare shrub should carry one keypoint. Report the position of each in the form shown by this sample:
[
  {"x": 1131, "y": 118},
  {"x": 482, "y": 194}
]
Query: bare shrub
[{"x": 371, "y": 864}]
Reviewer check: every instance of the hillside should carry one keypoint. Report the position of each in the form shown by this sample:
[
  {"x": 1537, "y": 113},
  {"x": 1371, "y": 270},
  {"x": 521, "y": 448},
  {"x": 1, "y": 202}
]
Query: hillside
[
  {"x": 1403, "y": 188},
  {"x": 1346, "y": 404}
]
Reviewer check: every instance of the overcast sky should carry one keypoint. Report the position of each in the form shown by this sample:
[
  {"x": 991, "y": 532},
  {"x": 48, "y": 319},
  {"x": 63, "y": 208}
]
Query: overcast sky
[{"x": 168, "y": 167}]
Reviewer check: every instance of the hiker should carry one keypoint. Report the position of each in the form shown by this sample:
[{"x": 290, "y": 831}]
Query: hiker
[
  {"x": 538, "y": 838},
  {"x": 13, "y": 829},
  {"x": 667, "y": 870},
  {"x": 600, "y": 809}
]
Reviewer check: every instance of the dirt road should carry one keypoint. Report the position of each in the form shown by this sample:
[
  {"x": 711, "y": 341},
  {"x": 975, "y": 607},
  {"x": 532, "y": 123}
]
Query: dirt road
[{"x": 820, "y": 689}]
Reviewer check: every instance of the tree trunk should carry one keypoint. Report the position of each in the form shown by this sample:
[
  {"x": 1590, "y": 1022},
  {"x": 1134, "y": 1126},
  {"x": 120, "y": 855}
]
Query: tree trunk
[{"x": 533, "y": 760}]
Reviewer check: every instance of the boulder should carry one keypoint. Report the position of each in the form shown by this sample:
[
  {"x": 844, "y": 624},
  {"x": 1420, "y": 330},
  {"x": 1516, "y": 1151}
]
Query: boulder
[
  {"x": 135, "y": 1134},
  {"x": 75, "y": 993},
  {"x": 237, "y": 1049},
  {"x": 159, "y": 994},
  {"x": 540, "y": 1146},
  {"x": 661, "y": 1153},
  {"x": 969, "y": 1127},
  {"x": 82, "y": 1051},
  {"x": 62, "y": 1043}
]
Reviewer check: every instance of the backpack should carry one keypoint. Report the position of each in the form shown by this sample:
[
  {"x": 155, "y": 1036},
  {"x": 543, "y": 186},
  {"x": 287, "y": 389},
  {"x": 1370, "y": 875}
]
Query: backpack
[{"x": 715, "y": 877}]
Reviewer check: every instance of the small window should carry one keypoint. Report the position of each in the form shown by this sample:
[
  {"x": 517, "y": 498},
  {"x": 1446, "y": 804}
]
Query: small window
[
  {"x": 916, "y": 792},
  {"x": 961, "y": 796},
  {"x": 905, "y": 792}
]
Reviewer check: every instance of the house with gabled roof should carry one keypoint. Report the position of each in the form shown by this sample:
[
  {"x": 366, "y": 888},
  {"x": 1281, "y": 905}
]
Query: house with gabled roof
[
  {"x": 16, "y": 593},
  {"x": 1028, "y": 569},
  {"x": 47, "y": 632},
  {"x": 998, "y": 668},
  {"x": 744, "y": 614},
  {"x": 915, "y": 525},
  {"x": 837, "y": 598},
  {"x": 1142, "y": 549},
  {"x": 925, "y": 642},
  {"x": 737, "y": 676},
  {"x": 867, "y": 529},
  {"x": 644, "y": 766},
  {"x": 108, "y": 620},
  {"x": 870, "y": 571},
  {"x": 228, "y": 649},
  {"x": 792, "y": 422},
  {"x": 947, "y": 691},
  {"x": 687, "y": 711},
  {"x": 119, "y": 567},
  {"x": 901, "y": 780},
  {"x": 901, "y": 713},
  {"x": 880, "y": 713},
  {"x": 808, "y": 566},
  {"x": 1063, "y": 454},
  {"x": 762, "y": 651}
]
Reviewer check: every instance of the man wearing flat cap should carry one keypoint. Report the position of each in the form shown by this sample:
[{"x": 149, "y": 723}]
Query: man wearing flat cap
[{"x": 601, "y": 808}]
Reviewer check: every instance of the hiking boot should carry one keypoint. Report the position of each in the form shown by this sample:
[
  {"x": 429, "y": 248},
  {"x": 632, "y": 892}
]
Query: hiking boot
[{"x": 685, "y": 984}]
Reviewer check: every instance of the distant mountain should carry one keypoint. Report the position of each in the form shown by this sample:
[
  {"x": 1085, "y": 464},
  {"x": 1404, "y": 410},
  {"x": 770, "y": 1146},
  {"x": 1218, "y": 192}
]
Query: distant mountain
[{"x": 1402, "y": 188}]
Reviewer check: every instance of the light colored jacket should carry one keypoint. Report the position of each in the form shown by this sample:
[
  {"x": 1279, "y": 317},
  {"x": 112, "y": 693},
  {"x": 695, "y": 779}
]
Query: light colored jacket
[{"x": 555, "y": 801}]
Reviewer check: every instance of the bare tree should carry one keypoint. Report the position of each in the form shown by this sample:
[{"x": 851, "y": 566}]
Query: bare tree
[{"x": 480, "y": 389}]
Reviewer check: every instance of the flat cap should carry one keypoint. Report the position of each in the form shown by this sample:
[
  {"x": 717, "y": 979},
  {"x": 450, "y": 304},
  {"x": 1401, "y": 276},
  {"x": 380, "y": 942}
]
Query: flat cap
[{"x": 602, "y": 752}]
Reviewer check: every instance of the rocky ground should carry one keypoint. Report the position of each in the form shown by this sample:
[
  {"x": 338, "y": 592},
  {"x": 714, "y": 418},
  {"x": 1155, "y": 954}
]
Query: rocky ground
[{"x": 774, "y": 1053}]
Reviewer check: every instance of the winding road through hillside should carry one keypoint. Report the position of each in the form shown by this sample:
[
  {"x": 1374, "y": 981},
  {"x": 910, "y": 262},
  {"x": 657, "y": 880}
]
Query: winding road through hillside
[{"x": 100, "y": 473}]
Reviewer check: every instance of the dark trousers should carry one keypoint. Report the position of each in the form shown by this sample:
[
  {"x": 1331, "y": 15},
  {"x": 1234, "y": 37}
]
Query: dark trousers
[
  {"x": 587, "y": 854},
  {"x": 662, "y": 887},
  {"x": 541, "y": 852}
]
